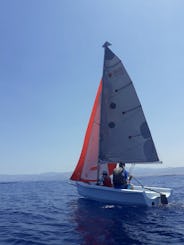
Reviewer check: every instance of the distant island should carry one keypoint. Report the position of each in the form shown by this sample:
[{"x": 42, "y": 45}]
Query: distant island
[{"x": 138, "y": 171}]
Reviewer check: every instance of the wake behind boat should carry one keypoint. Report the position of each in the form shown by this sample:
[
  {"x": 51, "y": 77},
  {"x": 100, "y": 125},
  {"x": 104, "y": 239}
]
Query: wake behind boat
[{"x": 117, "y": 132}]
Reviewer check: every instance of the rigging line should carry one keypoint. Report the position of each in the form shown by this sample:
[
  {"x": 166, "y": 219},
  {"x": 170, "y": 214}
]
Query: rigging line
[
  {"x": 131, "y": 168},
  {"x": 163, "y": 197}
]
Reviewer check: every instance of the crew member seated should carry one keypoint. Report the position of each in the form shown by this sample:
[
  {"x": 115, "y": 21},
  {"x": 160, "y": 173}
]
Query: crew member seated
[
  {"x": 121, "y": 177},
  {"x": 105, "y": 179}
]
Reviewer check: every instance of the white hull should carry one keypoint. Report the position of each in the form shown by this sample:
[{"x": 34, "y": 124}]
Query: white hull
[{"x": 110, "y": 195}]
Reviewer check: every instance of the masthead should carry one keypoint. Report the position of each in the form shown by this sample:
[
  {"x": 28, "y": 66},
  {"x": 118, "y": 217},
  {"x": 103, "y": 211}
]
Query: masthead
[{"x": 106, "y": 44}]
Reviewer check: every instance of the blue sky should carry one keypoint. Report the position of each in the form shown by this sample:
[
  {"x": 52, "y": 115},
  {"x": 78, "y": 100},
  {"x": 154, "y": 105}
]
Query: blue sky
[{"x": 51, "y": 64}]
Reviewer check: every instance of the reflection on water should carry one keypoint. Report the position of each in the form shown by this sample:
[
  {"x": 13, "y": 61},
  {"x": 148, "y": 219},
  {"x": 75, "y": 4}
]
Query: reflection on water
[
  {"x": 102, "y": 224},
  {"x": 106, "y": 224}
]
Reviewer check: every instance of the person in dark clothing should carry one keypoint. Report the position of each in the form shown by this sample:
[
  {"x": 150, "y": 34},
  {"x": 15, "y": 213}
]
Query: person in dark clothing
[
  {"x": 121, "y": 177},
  {"x": 105, "y": 179}
]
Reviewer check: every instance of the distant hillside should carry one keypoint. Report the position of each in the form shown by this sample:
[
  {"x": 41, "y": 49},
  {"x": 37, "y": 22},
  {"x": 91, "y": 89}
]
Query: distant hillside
[
  {"x": 158, "y": 171},
  {"x": 35, "y": 177},
  {"x": 138, "y": 171}
]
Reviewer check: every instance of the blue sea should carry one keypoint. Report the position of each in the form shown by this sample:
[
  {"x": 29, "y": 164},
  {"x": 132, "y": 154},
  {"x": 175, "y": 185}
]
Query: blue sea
[{"x": 53, "y": 213}]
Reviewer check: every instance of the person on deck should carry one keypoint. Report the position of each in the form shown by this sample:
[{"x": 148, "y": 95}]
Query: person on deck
[
  {"x": 121, "y": 177},
  {"x": 105, "y": 179}
]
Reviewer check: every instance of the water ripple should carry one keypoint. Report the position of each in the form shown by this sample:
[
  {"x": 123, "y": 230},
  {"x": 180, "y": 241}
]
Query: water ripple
[{"x": 53, "y": 213}]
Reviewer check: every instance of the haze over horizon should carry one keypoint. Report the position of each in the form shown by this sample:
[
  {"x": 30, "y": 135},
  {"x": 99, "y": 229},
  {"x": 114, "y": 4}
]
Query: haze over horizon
[
  {"x": 55, "y": 176},
  {"x": 51, "y": 64}
]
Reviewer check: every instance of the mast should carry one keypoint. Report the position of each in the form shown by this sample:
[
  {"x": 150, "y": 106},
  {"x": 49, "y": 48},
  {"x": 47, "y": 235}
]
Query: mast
[{"x": 105, "y": 45}]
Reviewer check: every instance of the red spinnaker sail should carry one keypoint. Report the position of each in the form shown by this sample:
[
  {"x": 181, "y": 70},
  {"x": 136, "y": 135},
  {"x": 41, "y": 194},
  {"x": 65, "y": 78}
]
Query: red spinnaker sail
[{"x": 86, "y": 169}]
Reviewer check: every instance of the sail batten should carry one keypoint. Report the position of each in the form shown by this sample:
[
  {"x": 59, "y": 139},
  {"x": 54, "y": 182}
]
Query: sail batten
[{"x": 124, "y": 132}]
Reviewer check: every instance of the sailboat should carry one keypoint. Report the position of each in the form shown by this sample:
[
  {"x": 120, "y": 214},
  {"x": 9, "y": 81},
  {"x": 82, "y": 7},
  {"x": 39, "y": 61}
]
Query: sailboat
[{"x": 117, "y": 132}]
